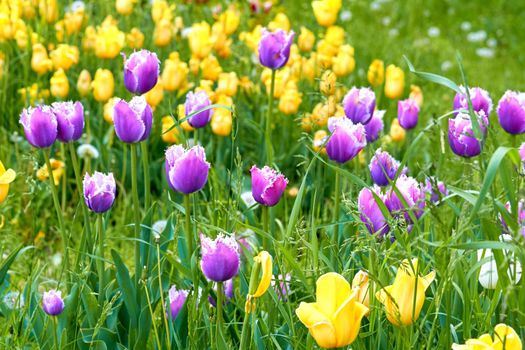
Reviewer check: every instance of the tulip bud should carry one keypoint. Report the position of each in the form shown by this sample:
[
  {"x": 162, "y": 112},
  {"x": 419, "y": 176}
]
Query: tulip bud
[
  {"x": 359, "y": 105},
  {"x": 327, "y": 83},
  {"x": 135, "y": 39},
  {"x": 407, "y": 113},
  {"x": 141, "y": 71},
  {"x": 70, "y": 118},
  {"x": 374, "y": 126},
  {"x": 84, "y": 83},
  {"x": 488, "y": 275},
  {"x": 383, "y": 167},
  {"x": 267, "y": 185},
  {"x": 416, "y": 94},
  {"x": 103, "y": 85},
  {"x": 52, "y": 302},
  {"x": 99, "y": 191},
  {"x": 177, "y": 299},
  {"x": 274, "y": 48},
  {"x": 347, "y": 139},
  {"x": 369, "y": 211},
  {"x": 395, "y": 82},
  {"x": 40, "y": 126},
  {"x": 59, "y": 84},
  {"x": 306, "y": 40},
  {"x": 220, "y": 258},
  {"x": 479, "y": 97},
  {"x": 326, "y": 11},
  {"x": 186, "y": 169},
  {"x": 362, "y": 285},
  {"x": 40, "y": 62},
  {"x": 263, "y": 262},
  {"x": 413, "y": 195},
  {"x": 132, "y": 120},
  {"x": 397, "y": 133},
  {"x": 155, "y": 95},
  {"x": 124, "y": 7},
  {"x": 436, "y": 189},
  {"x": 196, "y": 102},
  {"x": 376, "y": 73},
  {"x": 511, "y": 112},
  {"x": 461, "y": 134}
]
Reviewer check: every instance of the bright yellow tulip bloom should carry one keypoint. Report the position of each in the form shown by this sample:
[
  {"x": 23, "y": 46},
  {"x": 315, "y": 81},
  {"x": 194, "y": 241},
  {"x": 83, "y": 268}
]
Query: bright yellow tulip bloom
[
  {"x": 228, "y": 84},
  {"x": 59, "y": 84},
  {"x": 6, "y": 177},
  {"x": 124, "y": 7},
  {"x": 306, "y": 40},
  {"x": 361, "y": 284},
  {"x": 397, "y": 133},
  {"x": 200, "y": 40},
  {"x": 376, "y": 73},
  {"x": 135, "y": 39},
  {"x": 84, "y": 83},
  {"x": 175, "y": 73},
  {"x": 169, "y": 133},
  {"x": 57, "y": 169},
  {"x": 103, "y": 85},
  {"x": 64, "y": 56},
  {"x": 40, "y": 62},
  {"x": 326, "y": 11},
  {"x": 155, "y": 95},
  {"x": 416, "y": 94},
  {"x": 108, "y": 110},
  {"x": 505, "y": 338},
  {"x": 221, "y": 121},
  {"x": 327, "y": 83},
  {"x": 395, "y": 82}
]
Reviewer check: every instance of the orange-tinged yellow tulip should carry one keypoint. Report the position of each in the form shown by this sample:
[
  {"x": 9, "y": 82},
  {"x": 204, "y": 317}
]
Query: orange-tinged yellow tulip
[
  {"x": 280, "y": 21},
  {"x": 103, "y": 85},
  {"x": 327, "y": 83},
  {"x": 335, "y": 35},
  {"x": 57, "y": 169},
  {"x": 73, "y": 21},
  {"x": 155, "y": 95},
  {"x": 135, "y": 39},
  {"x": 181, "y": 114},
  {"x": 397, "y": 133},
  {"x": 40, "y": 62},
  {"x": 326, "y": 11},
  {"x": 344, "y": 63},
  {"x": 59, "y": 84},
  {"x": 221, "y": 120},
  {"x": 200, "y": 40},
  {"x": 416, "y": 94},
  {"x": 334, "y": 319},
  {"x": 6, "y": 177},
  {"x": 170, "y": 133},
  {"x": 404, "y": 299},
  {"x": 394, "y": 82},
  {"x": 108, "y": 110},
  {"x": 262, "y": 262},
  {"x": 124, "y": 7},
  {"x": 162, "y": 33},
  {"x": 306, "y": 123},
  {"x": 84, "y": 83},
  {"x": 210, "y": 68},
  {"x": 361, "y": 284},
  {"x": 306, "y": 40},
  {"x": 505, "y": 338},
  {"x": 376, "y": 73},
  {"x": 64, "y": 56},
  {"x": 221, "y": 43}
]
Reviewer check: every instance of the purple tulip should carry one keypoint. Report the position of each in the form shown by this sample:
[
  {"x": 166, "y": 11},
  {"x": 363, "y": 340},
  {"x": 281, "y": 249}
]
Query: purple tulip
[
  {"x": 99, "y": 191},
  {"x": 369, "y": 211},
  {"x": 374, "y": 126},
  {"x": 132, "y": 120},
  {"x": 413, "y": 194},
  {"x": 220, "y": 258},
  {"x": 196, "y": 101},
  {"x": 228, "y": 293},
  {"x": 274, "y": 48},
  {"x": 40, "y": 126},
  {"x": 141, "y": 71},
  {"x": 511, "y": 112},
  {"x": 70, "y": 119},
  {"x": 383, "y": 167},
  {"x": 461, "y": 135},
  {"x": 267, "y": 185},
  {"x": 480, "y": 98},
  {"x": 359, "y": 105},
  {"x": 407, "y": 113},
  {"x": 177, "y": 298},
  {"x": 346, "y": 141},
  {"x": 52, "y": 302},
  {"x": 186, "y": 169}
]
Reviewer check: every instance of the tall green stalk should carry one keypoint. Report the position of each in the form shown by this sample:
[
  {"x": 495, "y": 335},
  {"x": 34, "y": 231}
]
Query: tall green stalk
[
  {"x": 136, "y": 207},
  {"x": 220, "y": 296},
  {"x": 268, "y": 132},
  {"x": 246, "y": 330},
  {"x": 161, "y": 292},
  {"x": 101, "y": 267},
  {"x": 145, "y": 166},
  {"x": 187, "y": 229},
  {"x": 337, "y": 199}
]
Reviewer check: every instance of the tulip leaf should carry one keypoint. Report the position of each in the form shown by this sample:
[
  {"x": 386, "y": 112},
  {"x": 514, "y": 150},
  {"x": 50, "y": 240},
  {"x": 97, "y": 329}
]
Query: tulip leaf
[
  {"x": 435, "y": 78},
  {"x": 126, "y": 286},
  {"x": 6, "y": 264}
]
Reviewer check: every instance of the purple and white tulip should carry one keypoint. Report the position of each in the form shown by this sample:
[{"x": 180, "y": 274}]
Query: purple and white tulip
[
  {"x": 359, "y": 105},
  {"x": 141, "y": 71},
  {"x": 274, "y": 48},
  {"x": 407, "y": 113},
  {"x": 186, "y": 169},
  {"x": 511, "y": 112},
  {"x": 40, "y": 126},
  {"x": 461, "y": 134},
  {"x": 346, "y": 141},
  {"x": 196, "y": 101},
  {"x": 268, "y": 185},
  {"x": 480, "y": 98},
  {"x": 70, "y": 120},
  {"x": 52, "y": 302},
  {"x": 132, "y": 120},
  {"x": 220, "y": 258},
  {"x": 99, "y": 191}
]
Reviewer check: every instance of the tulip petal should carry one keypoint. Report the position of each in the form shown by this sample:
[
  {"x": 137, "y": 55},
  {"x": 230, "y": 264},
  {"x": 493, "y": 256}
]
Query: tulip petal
[
  {"x": 7, "y": 177},
  {"x": 428, "y": 279},
  {"x": 318, "y": 324},
  {"x": 347, "y": 320},
  {"x": 265, "y": 259},
  {"x": 505, "y": 337},
  {"x": 332, "y": 291}
]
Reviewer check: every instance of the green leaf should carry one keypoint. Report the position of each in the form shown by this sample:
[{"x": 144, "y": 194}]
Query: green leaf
[{"x": 126, "y": 286}]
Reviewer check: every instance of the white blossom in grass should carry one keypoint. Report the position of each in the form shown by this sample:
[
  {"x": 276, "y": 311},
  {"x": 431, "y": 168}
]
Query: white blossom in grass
[
  {"x": 476, "y": 37},
  {"x": 488, "y": 275},
  {"x": 86, "y": 150}
]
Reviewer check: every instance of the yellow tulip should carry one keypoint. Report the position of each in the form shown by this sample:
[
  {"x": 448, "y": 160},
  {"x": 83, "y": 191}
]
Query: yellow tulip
[
  {"x": 306, "y": 123},
  {"x": 221, "y": 43},
  {"x": 326, "y": 11},
  {"x": 40, "y": 62},
  {"x": 135, "y": 39},
  {"x": 124, "y": 7},
  {"x": 64, "y": 56},
  {"x": 416, "y": 94},
  {"x": 6, "y": 177},
  {"x": 221, "y": 121},
  {"x": 397, "y": 133},
  {"x": 162, "y": 33},
  {"x": 404, "y": 299},
  {"x": 306, "y": 40},
  {"x": 84, "y": 83},
  {"x": 280, "y": 21},
  {"x": 175, "y": 73},
  {"x": 505, "y": 338},
  {"x": 335, "y": 318},
  {"x": 228, "y": 84},
  {"x": 160, "y": 9},
  {"x": 327, "y": 83},
  {"x": 155, "y": 95},
  {"x": 290, "y": 100},
  {"x": 251, "y": 39},
  {"x": 395, "y": 82},
  {"x": 181, "y": 114},
  {"x": 262, "y": 262},
  {"x": 200, "y": 40},
  {"x": 230, "y": 20},
  {"x": 28, "y": 9},
  {"x": 319, "y": 140},
  {"x": 309, "y": 68},
  {"x": 109, "y": 40},
  {"x": 376, "y": 73},
  {"x": 33, "y": 94},
  {"x": 210, "y": 68},
  {"x": 170, "y": 133},
  {"x": 361, "y": 284},
  {"x": 90, "y": 38},
  {"x": 103, "y": 85},
  {"x": 48, "y": 10},
  {"x": 108, "y": 110},
  {"x": 73, "y": 21},
  {"x": 57, "y": 169},
  {"x": 59, "y": 84}
]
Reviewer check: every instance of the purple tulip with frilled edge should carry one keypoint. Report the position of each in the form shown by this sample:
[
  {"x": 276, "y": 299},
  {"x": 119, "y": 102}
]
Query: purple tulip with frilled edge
[
  {"x": 132, "y": 120},
  {"x": 196, "y": 101},
  {"x": 374, "y": 126},
  {"x": 436, "y": 189},
  {"x": 267, "y": 185},
  {"x": 220, "y": 258},
  {"x": 228, "y": 293},
  {"x": 407, "y": 113},
  {"x": 70, "y": 119},
  {"x": 511, "y": 112},
  {"x": 40, "y": 126},
  {"x": 383, "y": 167},
  {"x": 274, "y": 48},
  {"x": 99, "y": 191},
  {"x": 461, "y": 135},
  {"x": 177, "y": 298},
  {"x": 359, "y": 105},
  {"x": 52, "y": 302},
  {"x": 141, "y": 71},
  {"x": 369, "y": 211},
  {"x": 346, "y": 141},
  {"x": 186, "y": 169},
  {"x": 480, "y": 98},
  {"x": 413, "y": 194}
]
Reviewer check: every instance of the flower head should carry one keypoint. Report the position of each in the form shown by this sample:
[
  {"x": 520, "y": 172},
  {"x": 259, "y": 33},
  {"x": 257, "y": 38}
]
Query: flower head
[
  {"x": 274, "y": 48},
  {"x": 99, "y": 191},
  {"x": 461, "y": 134},
  {"x": 375, "y": 126},
  {"x": 479, "y": 97},
  {"x": 347, "y": 139},
  {"x": 6, "y": 177},
  {"x": 196, "y": 101},
  {"x": 132, "y": 120},
  {"x": 267, "y": 185},
  {"x": 177, "y": 298},
  {"x": 505, "y": 337},
  {"x": 220, "y": 257},
  {"x": 359, "y": 105},
  {"x": 407, "y": 113},
  {"x": 511, "y": 112},
  {"x": 52, "y": 302},
  {"x": 383, "y": 167},
  {"x": 369, "y": 211},
  {"x": 141, "y": 71},
  {"x": 40, "y": 126},
  {"x": 70, "y": 120},
  {"x": 186, "y": 169}
]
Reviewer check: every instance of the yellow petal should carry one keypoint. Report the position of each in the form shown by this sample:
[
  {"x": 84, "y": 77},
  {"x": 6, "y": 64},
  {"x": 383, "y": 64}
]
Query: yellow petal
[
  {"x": 428, "y": 279},
  {"x": 332, "y": 291},
  {"x": 265, "y": 259},
  {"x": 7, "y": 177},
  {"x": 318, "y": 324},
  {"x": 506, "y": 338},
  {"x": 2, "y": 168},
  {"x": 347, "y": 320}
]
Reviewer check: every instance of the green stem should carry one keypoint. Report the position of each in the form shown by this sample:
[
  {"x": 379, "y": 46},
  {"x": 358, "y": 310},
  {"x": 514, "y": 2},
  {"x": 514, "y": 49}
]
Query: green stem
[
  {"x": 246, "y": 330},
  {"x": 64, "y": 179},
  {"x": 265, "y": 226},
  {"x": 56, "y": 202},
  {"x": 161, "y": 291},
  {"x": 220, "y": 295},
  {"x": 136, "y": 207},
  {"x": 157, "y": 339},
  {"x": 188, "y": 232},
  {"x": 145, "y": 166},
  {"x": 101, "y": 268},
  {"x": 55, "y": 332},
  {"x": 337, "y": 194},
  {"x": 268, "y": 133}
]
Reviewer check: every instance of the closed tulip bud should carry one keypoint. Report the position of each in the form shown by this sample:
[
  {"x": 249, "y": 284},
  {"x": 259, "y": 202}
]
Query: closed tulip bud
[
  {"x": 413, "y": 194},
  {"x": 267, "y": 185},
  {"x": 404, "y": 299},
  {"x": 70, "y": 118},
  {"x": 511, "y": 112},
  {"x": 40, "y": 126},
  {"x": 162, "y": 33},
  {"x": 84, "y": 83},
  {"x": 395, "y": 82},
  {"x": 109, "y": 40},
  {"x": 374, "y": 126},
  {"x": 6, "y": 177},
  {"x": 135, "y": 39},
  {"x": 274, "y": 48},
  {"x": 220, "y": 258},
  {"x": 383, "y": 167},
  {"x": 505, "y": 337},
  {"x": 461, "y": 134},
  {"x": 59, "y": 84},
  {"x": 407, "y": 113},
  {"x": 326, "y": 11},
  {"x": 397, "y": 133},
  {"x": 177, "y": 299},
  {"x": 124, "y": 7},
  {"x": 196, "y": 101},
  {"x": 327, "y": 83},
  {"x": 99, "y": 191},
  {"x": 290, "y": 101},
  {"x": 479, "y": 97},
  {"x": 170, "y": 133},
  {"x": 359, "y": 105},
  {"x": 376, "y": 73},
  {"x": 361, "y": 284},
  {"x": 103, "y": 85},
  {"x": 52, "y": 302},
  {"x": 306, "y": 40},
  {"x": 369, "y": 211},
  {"x": 132, "y": 120},
  {"x": 335, "y": 318},
  {"x": 141, "y": 71},
  {"x": 228, "y": 84},
  {"x": 347, "y": 139},
  {"x": 210, "y": 68},
  {"x": 108, "y": 109},
  {"x": 221, "y": 121},
  {"x": 230, "y": 19},
  {"x": 64, "y": 56},
  {"x": 186, "y": 169},
  {"x": 175, "y": 73},
  {"x": 416, "y": 94},
  {"x": 199, "y": 40},
  {"x": 40, "y": 62},
  {"x": 155, "y": 95}
]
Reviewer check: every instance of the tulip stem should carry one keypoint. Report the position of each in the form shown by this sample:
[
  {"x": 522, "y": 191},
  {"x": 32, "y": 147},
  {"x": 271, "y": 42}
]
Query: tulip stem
[
  {"x": 246, "y": 330},
  {"x": 101, "y": 239},
  {"x": 265, "y": 226},
  {"x": 157, "y": 339},
  {"x": 189, "y": 235},
  {"x": 55, "y": 331},
  {"x": 268, "y": 133},
  {"x": 136, "y": 208},
  {"x": 337, "y": 198},
  {"x": 145, "y": 165},
  {"x": 163, "y": 303},
  {"x": 64, "y": 179},
  {"x": 58, "y": 210},
  {"x": 220, "y": 294}
]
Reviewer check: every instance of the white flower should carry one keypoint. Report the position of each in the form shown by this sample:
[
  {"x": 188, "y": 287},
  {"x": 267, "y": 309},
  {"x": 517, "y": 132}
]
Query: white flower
[
  {"x": 393, "y": 32},
  {"x": 16, "y": 138},
  {"x": 466, "y": 26},
  {"x": 346, "y": 16},
  {"x": 386, "y": 21},
  {"x": 476, "y": 37},
  {"x": 87, "y": 151},
  {"x": 485, "y": 52},
  {"x": 433, "y": 32},
  {"x": 14, "y": 300},
  {"x": 159, "y": 227},
  {"x": 446, "y": 65},
  {"x": 247, "y": 198},
  {"x": 488, "y": 275},
  {"x": 492, "y": 43}
]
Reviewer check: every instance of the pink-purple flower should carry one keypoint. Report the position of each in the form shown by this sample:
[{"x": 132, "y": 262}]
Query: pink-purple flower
[
  {"x": 383, "y": 167},
  {"x": 186, "y": 169},
  {"x": 407, "y": 113},
  {"x": 197, "y": 101},
  {"x": 511, "y": 112},
  {"x": 436, "y": 189},
  {"x": 369, "y": 211},
  {"x": 268, "y": 185},
  {"x": 359, "y": 104},
  {"x": 177, "y": 298},
  {"x": 374, "y": 126},
  {"x": 132, "y": 120},
  {"x": 274, "y": 48},
  {"x": 346, "y": 141},
  {"x": 141, "y": 71},
  {"x": 461, "y": 134},
  {"x": 479, "y": 97},
  {"x": 40, "y": 126},
  {"x": 99, "y": 191},
  {"x": 220, "y": 257},
  {"x": 52, "y": 302},
  {"x": 412, "y": 193},
  {"x": 70, "y": 120}
]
